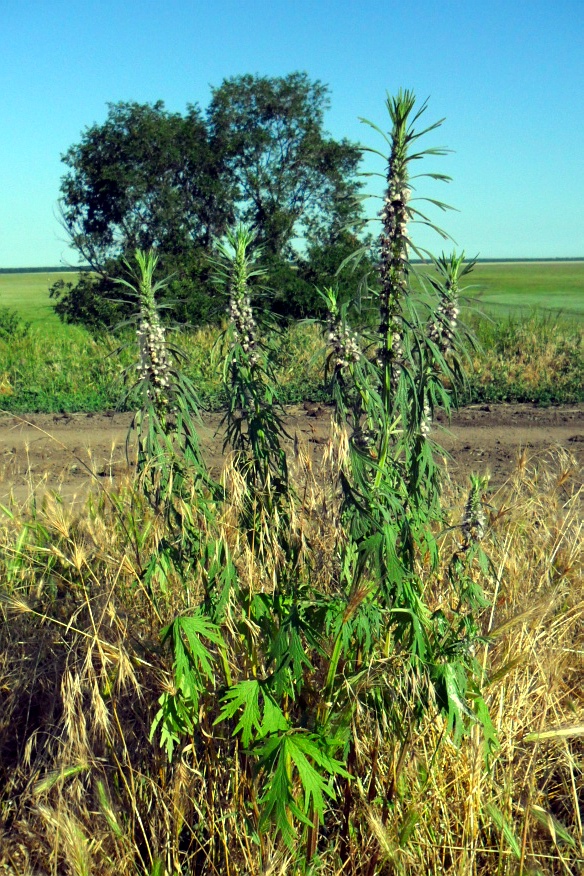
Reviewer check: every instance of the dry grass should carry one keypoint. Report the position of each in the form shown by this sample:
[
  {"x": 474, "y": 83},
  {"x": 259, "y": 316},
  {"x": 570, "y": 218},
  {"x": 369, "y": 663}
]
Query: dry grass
[{"x": 84, "y": 791}]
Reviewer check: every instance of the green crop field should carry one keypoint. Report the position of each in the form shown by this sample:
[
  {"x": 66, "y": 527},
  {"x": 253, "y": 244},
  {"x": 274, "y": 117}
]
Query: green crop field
[
  {"x": 524, "y": 288},
  {"x": 499, "y": 288},
  {"x": 28, "y": 294}
]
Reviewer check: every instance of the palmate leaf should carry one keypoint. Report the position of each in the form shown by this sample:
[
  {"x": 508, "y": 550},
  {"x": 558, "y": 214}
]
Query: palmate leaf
[
  {"x": 278, "y": 806},
  {"x": 175, "y": 719},
  {"x": 450, "y": 683},
  {"x": 300, "y": 756},
  {"x": 193, "y": 628},
  {"x": 287, "y": 648},
  {"x": 254, "y": 723},
  {"x": 193, "y": 673},
  {"x": 220, "y": 577}
]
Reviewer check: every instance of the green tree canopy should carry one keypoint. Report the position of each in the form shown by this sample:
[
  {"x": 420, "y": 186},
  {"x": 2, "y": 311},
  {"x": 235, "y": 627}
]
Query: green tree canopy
[
  {"x": 147, "y": 177},
  {"x": 293, "y": 180},
  {"x": 144, "y": 178}
]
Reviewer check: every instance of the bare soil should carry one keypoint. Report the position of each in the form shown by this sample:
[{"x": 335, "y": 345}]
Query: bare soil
[{"x": 71, "y": 454}]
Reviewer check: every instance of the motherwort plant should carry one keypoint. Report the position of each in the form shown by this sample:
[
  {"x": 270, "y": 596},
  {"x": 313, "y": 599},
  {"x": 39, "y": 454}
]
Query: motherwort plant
[
  {"x": 253, "y": 418},
  {"x": 391, "y": 509},
  {"x": 170, "y": 467},
  {"x": 165, "y": 399},
  {"x": 305, "y": 674}
]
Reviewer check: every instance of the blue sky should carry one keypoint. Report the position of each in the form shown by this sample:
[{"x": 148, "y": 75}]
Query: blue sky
[{"x": 509, "y": 77}]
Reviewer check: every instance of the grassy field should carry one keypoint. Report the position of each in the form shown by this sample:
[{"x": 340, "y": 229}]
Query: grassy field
[
  {"x": 523, "y": 288},
  {"x": 501, "y": 289},
  {"x": 28, "y": 294},
  {"x": 526, "y": 353}
]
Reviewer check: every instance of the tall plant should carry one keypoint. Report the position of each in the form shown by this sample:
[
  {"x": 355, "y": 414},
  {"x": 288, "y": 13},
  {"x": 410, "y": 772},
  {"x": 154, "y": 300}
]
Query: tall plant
[
  {"x": 253, "y": 418},
  {"x": 170, "y": 466},
  {"x": 391, "y": 508},
  {"x": 298, "y": 667},
  {"x": 387, "y": 401},
  {"x": 166, "y": 402}
]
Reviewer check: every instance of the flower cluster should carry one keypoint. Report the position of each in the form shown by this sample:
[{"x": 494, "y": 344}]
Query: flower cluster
[
  {"x": 154, "y": 365},
  {"x": 244, "y": 324},
  {"x": 474, "y": 521},
  {"x": 395, "y": 214},
  {"x": 442, "y": 330},
  {"x": 426, "y": 423},
  {"x": 393, "y": 266},
  {"x": 345, "y": 343},
  {"x": 394, "y": 235}
]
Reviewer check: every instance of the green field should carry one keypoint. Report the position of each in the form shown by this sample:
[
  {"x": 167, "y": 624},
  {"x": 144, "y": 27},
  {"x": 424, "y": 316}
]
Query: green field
[
  {"x": 28, "y": 294},
  {"x": 499, "y": 288},
  {"x": 524, "y": 288},
  {"x": 530, "y": 349}
]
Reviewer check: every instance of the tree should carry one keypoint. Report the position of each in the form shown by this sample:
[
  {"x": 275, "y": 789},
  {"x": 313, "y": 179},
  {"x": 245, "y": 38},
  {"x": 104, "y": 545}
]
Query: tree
[
  {"x": 144, "y": 178},
  {"x": 148, "y": 178},
  {"x": 293, "y": 180}
]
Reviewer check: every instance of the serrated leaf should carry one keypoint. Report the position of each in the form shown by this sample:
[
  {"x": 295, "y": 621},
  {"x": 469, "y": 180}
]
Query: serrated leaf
[
  {"x": 245, "y": 696},
  {"x": 278, "y": 804},
  {"x": 292, "y": 753},
  {"x": 313, "y": 784},
  {"x": 199, "y": 657},
  {"x": 273, "y": 720},
  {"x": 255, "y": 722}
]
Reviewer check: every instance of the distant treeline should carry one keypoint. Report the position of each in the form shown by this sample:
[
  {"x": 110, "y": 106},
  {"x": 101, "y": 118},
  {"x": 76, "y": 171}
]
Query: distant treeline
[
  {"x": 520, "y": 260},
  {"x": 63, "y": 270},
  {"x": 45, "y": 270}
]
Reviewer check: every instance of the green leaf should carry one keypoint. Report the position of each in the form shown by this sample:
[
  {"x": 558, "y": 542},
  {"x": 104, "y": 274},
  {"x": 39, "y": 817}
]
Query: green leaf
[
  {"x": 314, "y": 785},
  {"x": 193, "y": 672},
  {"x": 506, "y": 828},
  {"x": 278, "y": 805},
  {"x": 458, "y": 709},
  {"x": 244, "y": 695},
  {"x": 302, "y": 755},
  {"x": 254, "y": 723},
  {"x": 490, "y": 739},
  {"x": 273, "y": 720},
  {"x": 174, "y": 720}
]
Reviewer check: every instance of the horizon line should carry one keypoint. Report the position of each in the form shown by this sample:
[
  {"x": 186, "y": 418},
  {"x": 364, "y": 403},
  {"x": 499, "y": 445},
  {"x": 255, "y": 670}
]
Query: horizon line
[{"x": 39, "y": 269}]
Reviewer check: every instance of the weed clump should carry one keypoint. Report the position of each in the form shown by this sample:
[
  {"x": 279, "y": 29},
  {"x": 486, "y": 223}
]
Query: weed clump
[{"x": 312, "y": 666}]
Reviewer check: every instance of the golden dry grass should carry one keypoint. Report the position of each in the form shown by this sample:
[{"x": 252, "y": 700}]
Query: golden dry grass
[{"x": 84, "y": 791}]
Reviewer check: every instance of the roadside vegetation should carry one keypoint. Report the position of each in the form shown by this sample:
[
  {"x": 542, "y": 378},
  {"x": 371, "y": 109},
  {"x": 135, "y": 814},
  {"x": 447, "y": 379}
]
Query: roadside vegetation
[
  {"x": 352, "y": 666},
  {"x": 85, "y": 792},
  {"x": 535, "y": 358}
]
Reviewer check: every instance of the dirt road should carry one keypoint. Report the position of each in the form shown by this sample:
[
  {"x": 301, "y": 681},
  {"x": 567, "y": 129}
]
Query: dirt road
[{"x": 73, "y": 453}]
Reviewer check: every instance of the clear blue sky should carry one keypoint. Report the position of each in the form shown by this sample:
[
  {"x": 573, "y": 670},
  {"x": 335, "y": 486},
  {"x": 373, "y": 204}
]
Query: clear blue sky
[{"x": 508, "y": 76}]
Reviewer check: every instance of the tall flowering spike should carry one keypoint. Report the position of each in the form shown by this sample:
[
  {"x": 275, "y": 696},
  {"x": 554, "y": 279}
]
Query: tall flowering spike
[
  {"x": 240, "y": 310},
  {"x": 154, "y": 365},
  {"x": 474, "y": 521},
  {"x": 344, "y": 342},
  {"x": 443, "y": 324},
  {"x": 394, "y": 241}
]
